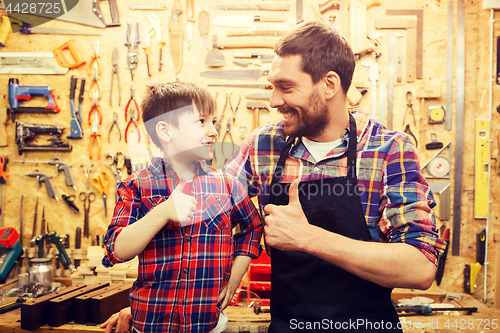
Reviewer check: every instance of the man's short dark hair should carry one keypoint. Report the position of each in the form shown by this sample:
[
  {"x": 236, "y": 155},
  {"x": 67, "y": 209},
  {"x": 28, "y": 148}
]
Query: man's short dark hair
[
  {"x": 322, "y": 49},
  {"x": 162, "y": 99}
]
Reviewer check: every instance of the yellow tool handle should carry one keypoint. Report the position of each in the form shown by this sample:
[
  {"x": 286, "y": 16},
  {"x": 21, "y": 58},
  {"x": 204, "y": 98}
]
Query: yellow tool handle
[
  {"x": 4, "y": 30},
  {"x": 271, "y": 18},
  {"x": 247, "y": 42}
]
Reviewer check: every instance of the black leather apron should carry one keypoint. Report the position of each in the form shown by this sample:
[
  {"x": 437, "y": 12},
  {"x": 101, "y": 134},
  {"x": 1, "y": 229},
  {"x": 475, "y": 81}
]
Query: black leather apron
[{"x": 310, "y": 294}]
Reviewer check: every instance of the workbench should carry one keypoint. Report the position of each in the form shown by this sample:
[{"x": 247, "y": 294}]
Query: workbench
[{"x": 245, "y": 320}]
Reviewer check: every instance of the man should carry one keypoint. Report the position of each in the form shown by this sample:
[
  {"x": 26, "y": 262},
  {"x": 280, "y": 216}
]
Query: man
[
  {"x": 361, "y": 223},
  {"x": 348, "y": 213}
]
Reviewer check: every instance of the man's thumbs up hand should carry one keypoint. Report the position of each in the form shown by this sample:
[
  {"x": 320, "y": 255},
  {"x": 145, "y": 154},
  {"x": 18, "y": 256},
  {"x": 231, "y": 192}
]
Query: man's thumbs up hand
[
  {"x": 293, "y": 193},
  {"x": 287, "y": 226}
]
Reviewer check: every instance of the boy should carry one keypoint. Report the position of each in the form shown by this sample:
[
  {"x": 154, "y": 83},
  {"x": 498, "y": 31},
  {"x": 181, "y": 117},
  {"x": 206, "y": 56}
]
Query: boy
[{"x": 177, "y": 215}]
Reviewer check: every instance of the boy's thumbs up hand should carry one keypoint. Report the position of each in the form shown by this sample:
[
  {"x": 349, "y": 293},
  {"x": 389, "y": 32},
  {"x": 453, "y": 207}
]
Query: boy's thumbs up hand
[
  {"x": 286, "y": 226},
  {"x": 181, "y": 207}
]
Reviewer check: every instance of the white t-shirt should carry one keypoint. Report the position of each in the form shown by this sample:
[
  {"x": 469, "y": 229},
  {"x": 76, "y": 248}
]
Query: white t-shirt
[{"x": 319, "y": 149}]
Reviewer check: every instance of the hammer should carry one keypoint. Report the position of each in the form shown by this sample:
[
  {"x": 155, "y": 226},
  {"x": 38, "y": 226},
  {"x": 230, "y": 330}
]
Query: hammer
[{"x": 256, "y": 106}]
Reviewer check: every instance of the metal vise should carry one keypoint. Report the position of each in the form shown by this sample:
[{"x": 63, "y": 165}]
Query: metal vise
[{"x": 26, "y": 132}]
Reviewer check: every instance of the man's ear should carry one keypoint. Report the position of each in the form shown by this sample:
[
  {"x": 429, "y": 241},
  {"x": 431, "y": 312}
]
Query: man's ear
[
  {"x": 332, "y": 84},
  {"x": 162, "y": 131}
]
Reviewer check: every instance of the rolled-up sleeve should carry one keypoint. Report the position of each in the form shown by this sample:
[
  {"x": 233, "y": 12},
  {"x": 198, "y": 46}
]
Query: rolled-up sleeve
[
  {"x": 407, "y": 202},
  {"x": 127, "y": 211}
]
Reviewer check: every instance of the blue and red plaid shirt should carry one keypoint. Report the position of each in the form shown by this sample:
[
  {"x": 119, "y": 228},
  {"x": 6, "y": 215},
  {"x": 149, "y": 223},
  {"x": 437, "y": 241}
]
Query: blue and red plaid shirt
[
  {"x": 183, "y": 268},
  {"x": 396, "y": 198}
]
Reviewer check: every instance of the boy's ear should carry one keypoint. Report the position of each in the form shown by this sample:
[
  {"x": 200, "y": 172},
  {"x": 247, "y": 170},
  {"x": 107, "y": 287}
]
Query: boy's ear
[{"x": 162, "y": 131}]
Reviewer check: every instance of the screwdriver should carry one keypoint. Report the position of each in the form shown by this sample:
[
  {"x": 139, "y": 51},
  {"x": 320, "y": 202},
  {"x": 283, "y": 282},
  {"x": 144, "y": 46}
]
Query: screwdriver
[{"x": 4, "y": 160}]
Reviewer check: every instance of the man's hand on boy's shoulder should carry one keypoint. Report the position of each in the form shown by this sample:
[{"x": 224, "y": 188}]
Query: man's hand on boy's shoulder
[{"x": 180, "y": 206}]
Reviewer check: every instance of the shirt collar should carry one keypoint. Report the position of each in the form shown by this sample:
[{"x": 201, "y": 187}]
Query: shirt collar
[
  {"x": 157, "y": 164},
  {"x": 299, "y": 150}
]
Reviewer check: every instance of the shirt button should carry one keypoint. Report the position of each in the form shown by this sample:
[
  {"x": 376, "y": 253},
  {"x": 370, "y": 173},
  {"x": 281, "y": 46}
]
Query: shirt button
[
  {"x": 316, "y": 169},
  {"x": 188, "y": 238},
  {"x": 186, "y": 270}
]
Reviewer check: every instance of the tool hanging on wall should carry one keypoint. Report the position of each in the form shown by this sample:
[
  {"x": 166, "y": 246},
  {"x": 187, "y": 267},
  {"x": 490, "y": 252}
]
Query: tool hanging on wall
[
  {"x": 459, "y": 128},
  {"x": 95, "y": 108},
  {"x": 155, "y": 27},
  {"x": 130, "y": 116},
  {"x": 95, "y": 138},
  {"x": 471, "y": 271},
  {"x": 392, "y": 42},
  {"x": 190, "y": 22},
  {"x": 409, "y": 24},
  {"x": 62, "y": 60},
  {"x": 434, "y": 144},
  {"x": 4, "y": 160},
  {"x": 442, "y": 190},
  {"x": 19, "y": 93},
  {"x": 132, "y": 50},
  {"x": 39, "y": 63},
  {"x": 450, "y": 43},
  {"x": 437, "y": 114},
  {"x": 235, "y": 74},
  {"x": 69, "y": 200},
  {"x": 114, "y": 70},
  {"x": 246, "y": 21},
  {"x": 175, "y": 30},
  {"x": 409, "y": 107},
  {"x": 439, "y": 165},
  {"x": 256, "y": 107},
  {"x": 114, "y": 124},
  {"x": 47, "y": 179},
  {"x": 147, "y": 6},
  {"x": 60, "y": 166},
  {"x": 26, "y": 132},
  {"x": 481, "y": 174},
  {"x": 374, "y": 76},
  {"x": 203, "y": 28},
  {"x": 76, "y": 131},
  {"x": 428, "y": 91},
  {"x": 412, "y": 52}
]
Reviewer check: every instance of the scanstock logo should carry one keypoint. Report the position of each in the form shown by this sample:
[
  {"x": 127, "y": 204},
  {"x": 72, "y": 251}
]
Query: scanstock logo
[
  {"x": 23, "y": 13},
  {"x": 31, "y": 13}
]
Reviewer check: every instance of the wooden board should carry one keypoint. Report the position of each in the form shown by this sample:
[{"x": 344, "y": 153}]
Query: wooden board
[
  {"x": 35, "y": 313},
  {"x": 102, "y": 306},
  {"x": 82, "y": 303},
  {"x": 62, "y": 309}
]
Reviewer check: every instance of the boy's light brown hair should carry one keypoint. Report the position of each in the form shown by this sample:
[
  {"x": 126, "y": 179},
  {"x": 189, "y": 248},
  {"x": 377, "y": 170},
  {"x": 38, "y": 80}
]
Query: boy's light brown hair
[
  {"x": 162, "y": 99},
  {"x": 322, "y": 49}
]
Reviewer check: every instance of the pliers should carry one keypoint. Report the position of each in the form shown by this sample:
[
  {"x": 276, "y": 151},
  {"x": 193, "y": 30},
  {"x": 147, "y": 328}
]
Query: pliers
[
  {"x": 95, "y": 80},
  {"x": 228, "y": 132},
  {"x": 95, "y": 137},
  {"x": 131, "y": 114},
  {"x": 132, "y": 50},
  {"x": 234, "y": 109},
  {"x": 95, "y": 107},
  {"x": 96, "y": 59},
  {"x": 115, "y": 123},
  {"x": 114, "y": 71}
]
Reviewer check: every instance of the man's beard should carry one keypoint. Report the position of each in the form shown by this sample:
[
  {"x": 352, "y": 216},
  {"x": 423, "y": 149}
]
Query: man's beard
[{"x": 311, "y": 122}]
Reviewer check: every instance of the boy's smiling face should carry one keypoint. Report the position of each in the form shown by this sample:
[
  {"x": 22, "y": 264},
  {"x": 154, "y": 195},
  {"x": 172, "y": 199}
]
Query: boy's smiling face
[{"x": 193, "y": 139}]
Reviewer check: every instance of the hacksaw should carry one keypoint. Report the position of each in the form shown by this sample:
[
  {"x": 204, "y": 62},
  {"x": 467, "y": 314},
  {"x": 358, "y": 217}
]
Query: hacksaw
[{"x": 30, "y": 63}]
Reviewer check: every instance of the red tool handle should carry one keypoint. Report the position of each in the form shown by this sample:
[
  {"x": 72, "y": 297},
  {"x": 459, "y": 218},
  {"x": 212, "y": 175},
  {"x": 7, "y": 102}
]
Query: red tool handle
[{"x": 4, "y": 160}]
